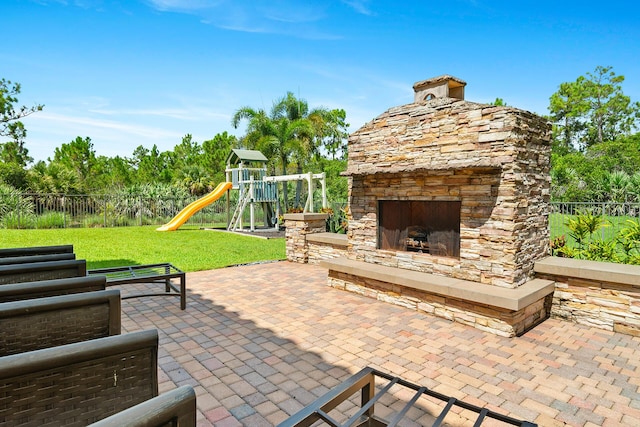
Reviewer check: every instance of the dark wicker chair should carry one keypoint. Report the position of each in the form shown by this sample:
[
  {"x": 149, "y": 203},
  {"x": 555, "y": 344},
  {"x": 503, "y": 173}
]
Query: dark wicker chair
[
  {"x": 36, "y": 250},
  {"x": 48, "y": 288},
  {"x": 17, "y": 273},
  {"x": 176, "y": 408},
  {"x": 35, "y": 258},
  {"x": 48, "y": 322},
  {"x": 81, "y": 383}
]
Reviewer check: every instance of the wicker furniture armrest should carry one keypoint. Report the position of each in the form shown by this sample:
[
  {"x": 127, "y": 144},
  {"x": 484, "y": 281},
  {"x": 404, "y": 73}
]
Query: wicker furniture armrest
[
  {"x": 175, "y": 408},
  {"x": 36, "y": 258},
  {"x": 36, "y": 250},
  {"x": 81, "y": 383},
  {"x": 48, "y": 322},
  {"x": 48, "y": 288},
  {"x": 16, "y": 273}
]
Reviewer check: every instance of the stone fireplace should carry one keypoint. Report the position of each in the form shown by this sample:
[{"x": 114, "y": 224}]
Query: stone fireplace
[
  {"x": 477, "y": 175},
  {"x": 450, "y": 189}
]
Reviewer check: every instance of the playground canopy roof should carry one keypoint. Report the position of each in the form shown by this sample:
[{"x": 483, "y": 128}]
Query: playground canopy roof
[{"x": 238, "y": 155}]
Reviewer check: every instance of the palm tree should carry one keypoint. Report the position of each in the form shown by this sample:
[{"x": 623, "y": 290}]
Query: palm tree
[
  {"x": 291, "y": 132},
  {"x": 279, "y": 135}
]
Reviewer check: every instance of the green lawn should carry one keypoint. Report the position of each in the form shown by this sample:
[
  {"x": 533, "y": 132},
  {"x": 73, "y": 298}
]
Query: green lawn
[{"x": 187, "y": 249}]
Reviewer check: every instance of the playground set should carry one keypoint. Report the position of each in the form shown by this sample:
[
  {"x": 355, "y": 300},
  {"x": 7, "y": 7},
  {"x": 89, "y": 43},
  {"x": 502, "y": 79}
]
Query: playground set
[{"x": 246, "y": 172}]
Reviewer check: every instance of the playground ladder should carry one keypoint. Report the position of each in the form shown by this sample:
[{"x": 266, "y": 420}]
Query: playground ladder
[{"x": 237, "y": 214}]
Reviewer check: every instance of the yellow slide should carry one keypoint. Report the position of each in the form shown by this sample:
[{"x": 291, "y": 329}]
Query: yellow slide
[{"x": 194, "y": 207}]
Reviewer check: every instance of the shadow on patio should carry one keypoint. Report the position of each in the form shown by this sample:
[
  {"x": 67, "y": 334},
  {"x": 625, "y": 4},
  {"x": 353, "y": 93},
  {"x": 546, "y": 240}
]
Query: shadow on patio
[{"x": 259, "y": 342}]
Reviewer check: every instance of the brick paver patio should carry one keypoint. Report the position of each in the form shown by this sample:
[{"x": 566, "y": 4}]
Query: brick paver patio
[{"x": 259, "y": 342}]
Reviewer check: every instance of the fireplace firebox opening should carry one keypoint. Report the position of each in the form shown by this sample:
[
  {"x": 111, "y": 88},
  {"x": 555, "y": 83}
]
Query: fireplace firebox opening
[{"x": 430, "y": 227}]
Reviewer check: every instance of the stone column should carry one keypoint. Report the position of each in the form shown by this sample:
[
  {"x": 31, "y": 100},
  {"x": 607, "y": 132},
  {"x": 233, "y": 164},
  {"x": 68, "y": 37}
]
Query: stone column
[{"x": 297, "y": 226}]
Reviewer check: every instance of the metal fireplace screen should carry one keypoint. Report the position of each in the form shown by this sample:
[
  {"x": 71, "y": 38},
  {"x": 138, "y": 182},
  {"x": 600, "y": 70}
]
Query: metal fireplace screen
[{"x": 431, "y": 227}]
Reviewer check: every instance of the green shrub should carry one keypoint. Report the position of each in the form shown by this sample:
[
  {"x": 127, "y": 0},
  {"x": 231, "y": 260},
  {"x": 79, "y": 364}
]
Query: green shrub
[
  {"x": 16, "y": 221},
  {"x": 337, "y": 220},
  {"x": 16, "y": 210},
  {"x": 94, "y": 221},
  {"x": 50, "y": 220},
  {"x": 623, "y": 248}
]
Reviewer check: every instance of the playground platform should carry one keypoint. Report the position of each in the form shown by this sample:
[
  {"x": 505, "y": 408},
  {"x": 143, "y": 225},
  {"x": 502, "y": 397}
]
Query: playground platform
[{"x": 259, "y": 342}]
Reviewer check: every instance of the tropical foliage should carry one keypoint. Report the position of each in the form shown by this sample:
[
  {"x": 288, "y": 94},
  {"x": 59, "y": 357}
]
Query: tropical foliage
[
  {"x": 585, "y": 241},
  {"x": 294, "y": 137},
  {"x": 595, "y": 156}
]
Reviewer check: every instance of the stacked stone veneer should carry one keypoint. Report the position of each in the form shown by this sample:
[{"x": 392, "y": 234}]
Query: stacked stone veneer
[
  {"x": 604, "y": 305},
  {"x": 297, "y": 227},
  {"x": 596, "y": 294},
  {"x": 324, "y": 246},
  {"x": 494, "y": 160},
  {"x": 496, "y": 320}
]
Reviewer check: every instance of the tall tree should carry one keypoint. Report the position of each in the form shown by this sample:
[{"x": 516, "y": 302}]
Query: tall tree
[
  {"x": 53, "y": 178},
  {"x": 10, "y": 114},
  {"x": 592, "y": 110},
  {"x": 111, "y": 173},
  {"x": 331, "y": 132},
  {"x": 291, "y": 133},
  {"x": 13, "y": 151},
  {"x": 187, "y": 153},
  {"x": 79, "y": 157},
  {"x": 215, "y": 152},
  {"x": 152, "y": 166},
  {"x": 275, "y": 134}
]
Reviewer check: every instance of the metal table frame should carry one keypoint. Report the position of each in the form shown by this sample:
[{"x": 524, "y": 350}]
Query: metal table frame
[
  {"x": 148, "y": 273},
  {"x": 365, "y": 383}
]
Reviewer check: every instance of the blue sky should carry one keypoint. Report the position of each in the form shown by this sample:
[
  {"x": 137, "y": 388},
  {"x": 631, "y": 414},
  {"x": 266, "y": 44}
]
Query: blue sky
[{"x": 141, "y": 72}]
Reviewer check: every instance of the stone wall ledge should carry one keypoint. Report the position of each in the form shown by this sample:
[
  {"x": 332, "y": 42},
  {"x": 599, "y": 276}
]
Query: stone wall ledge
[
  {"x": 473, "y": 164},
  {"x": 506, "y": 298},
  {"x": 590, "y": 270},
  {"x": 305, "y": 216},
  {"x": 334, "y": 239}
]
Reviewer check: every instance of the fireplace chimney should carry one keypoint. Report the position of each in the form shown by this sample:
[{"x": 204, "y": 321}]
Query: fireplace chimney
[{"x": 444, "y": 86}]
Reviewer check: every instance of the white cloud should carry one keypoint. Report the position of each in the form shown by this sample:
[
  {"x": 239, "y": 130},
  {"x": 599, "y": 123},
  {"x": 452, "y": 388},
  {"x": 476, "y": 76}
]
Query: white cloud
[
  {"x": 360, "y": 6},
  {"x": 287, "y": 17},
  {"x": 193, "y": 114}
]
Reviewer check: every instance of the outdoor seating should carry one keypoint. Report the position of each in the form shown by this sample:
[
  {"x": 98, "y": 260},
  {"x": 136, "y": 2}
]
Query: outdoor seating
[
  {"x": 26, "y": 259},
  {"x": 175, "y": 408},
  {"x": 36, "y": 250},
  {"x": 53, "y": 287},
  {"x": 54, "y": 262},
  {"x": 17, "y": 273},
  {"x": 48, "y": 322},
  {"x": 81, "y": 383},
  {"x": 364, "y": 383}
]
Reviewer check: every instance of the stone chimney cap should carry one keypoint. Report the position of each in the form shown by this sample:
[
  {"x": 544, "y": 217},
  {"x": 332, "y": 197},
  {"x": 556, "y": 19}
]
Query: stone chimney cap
[
  {"x": 444, "y": 86},
  {"x": 451, "y": 80}
]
